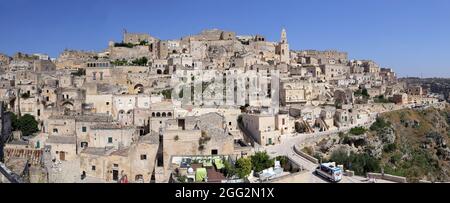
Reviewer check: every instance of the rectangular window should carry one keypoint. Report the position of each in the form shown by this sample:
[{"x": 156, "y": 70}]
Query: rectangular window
[
  {"x": 93, "y": 168},
  {"x": 83, "y": 129},
  {"x": 143, "y": 157},
  {"x": 110, "y": 140}
]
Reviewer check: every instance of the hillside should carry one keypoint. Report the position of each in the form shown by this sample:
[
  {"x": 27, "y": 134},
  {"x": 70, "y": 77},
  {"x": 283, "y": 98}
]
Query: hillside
[
  {"x": 420, "y": 150},
  {"x": 410, "y": 143}
]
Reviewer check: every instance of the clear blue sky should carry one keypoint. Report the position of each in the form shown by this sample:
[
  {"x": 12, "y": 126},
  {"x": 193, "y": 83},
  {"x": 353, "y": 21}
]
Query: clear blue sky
[{"x": 411, "y": 36}]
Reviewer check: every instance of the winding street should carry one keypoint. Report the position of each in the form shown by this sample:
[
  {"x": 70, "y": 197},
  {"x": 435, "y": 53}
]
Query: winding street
[{"x": 286, "y": 148}]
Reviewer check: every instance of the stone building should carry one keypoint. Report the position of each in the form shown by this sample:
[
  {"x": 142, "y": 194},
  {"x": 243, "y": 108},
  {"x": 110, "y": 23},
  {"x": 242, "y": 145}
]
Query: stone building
[
  {"x": 202, "y": 135},
  {"x": 262, "y": 128},
  {"x": 112, "y": 135},
  {"x": 135, "y": 163},
  {"x": 295, "y": 92},
  {"x": 62, "y": 148}
]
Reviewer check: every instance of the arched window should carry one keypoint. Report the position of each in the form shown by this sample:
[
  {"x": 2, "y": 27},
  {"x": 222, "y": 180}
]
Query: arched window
[
  {"x": 158, "y": 114},
  {"x": 169, "y": 114},
  {"x": 164, "y": 114},
  {"x": 153, "y": 114}
]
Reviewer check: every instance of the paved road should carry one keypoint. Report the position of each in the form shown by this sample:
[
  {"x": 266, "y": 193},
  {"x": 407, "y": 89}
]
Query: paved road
[{"x": 286, "y": 148}]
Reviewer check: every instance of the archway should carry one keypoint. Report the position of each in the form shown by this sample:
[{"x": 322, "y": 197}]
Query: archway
[
  {"x": 139, "y": 88},
  {"x": 68, "y": 105}
]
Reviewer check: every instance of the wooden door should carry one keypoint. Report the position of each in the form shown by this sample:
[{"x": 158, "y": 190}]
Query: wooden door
[{"x": 62, "y": 156}]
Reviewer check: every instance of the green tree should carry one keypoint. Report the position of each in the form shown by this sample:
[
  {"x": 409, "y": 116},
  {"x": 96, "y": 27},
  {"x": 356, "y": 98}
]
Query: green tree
[
  {"x": 140, "y": 61},
  {"x": 365, "y": 93},
  {"x": 358, "y": 131},
  {"x": 389, "y": 148},
  {"x": 261, "y": 161},
  {"x": 360, "y": 163},
  {"x": 229, "y": 169},
  {"x": 143, "y": 43},
  {"x": 167, "y": 94},
  {"x": 27, "y": 124},
  {"x": 243, "y": 167},
  {"x": 379, "y": 124},
  {"x": 340, "y": 157},
  {"x": 283, "y": 160}
]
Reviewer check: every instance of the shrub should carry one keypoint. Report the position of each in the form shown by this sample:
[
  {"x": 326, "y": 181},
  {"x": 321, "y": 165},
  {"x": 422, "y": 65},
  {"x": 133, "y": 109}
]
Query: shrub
[
  {"x": 167, "y": 94},
  {"x": 27, "y": 124},
  {"x": 118, "y": 62},
  {"x": 360, "y": 163},
  {"x": 140, "y": 61},
  {"x": 243, "y": 167},
  {"x": 358, "y": 131},
  {"x": 182, "y": 179},
  {"x": 379, "y": 124},
  {"x": 308, "y": 150},
  {"x": 229, "y": 169},
  {"x": 389, "y": 148},
  {"x": 381, "y": 99},
  {"x": 362, "y": 92},
  {"x": 122, "y": 44},
  {"x": 143, "y": 43},
  {"x": 283, "y": 160},
  {"x": 261, "y": 161}
]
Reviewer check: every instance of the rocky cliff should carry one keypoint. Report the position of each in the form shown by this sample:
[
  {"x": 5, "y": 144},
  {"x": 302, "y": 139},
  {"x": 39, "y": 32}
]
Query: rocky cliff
[{"x": 410, "y": 143}]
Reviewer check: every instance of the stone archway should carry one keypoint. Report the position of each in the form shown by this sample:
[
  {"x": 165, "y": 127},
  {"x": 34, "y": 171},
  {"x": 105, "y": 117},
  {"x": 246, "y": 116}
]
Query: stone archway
[
  {"x": 139, "y": 88},
  {"x": 68, "y": 105}
]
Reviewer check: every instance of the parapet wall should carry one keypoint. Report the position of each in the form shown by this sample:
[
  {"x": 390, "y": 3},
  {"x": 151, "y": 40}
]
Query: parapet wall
[
  {"x": 305, "y": 155},
  {"x": 397, "y": 179}
]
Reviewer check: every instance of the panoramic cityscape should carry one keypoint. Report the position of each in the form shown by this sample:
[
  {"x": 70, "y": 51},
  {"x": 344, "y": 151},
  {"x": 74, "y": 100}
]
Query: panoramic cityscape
[{"x": 218, "y": 105}]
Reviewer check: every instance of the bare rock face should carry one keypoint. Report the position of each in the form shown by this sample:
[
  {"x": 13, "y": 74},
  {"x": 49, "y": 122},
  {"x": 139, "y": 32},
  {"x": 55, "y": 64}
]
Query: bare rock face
[
  {"x": 437, "y": 141},
  {"x": 410, "y": 123},
  {"x": 342, "y": 148},
  {"x": 443, "y": 153},
  {"x": 329, "y": 144},
  {"x": 434, "y": 139},
  {"x": 375, "y": 147},
  {"x": 387, "y": 135}
]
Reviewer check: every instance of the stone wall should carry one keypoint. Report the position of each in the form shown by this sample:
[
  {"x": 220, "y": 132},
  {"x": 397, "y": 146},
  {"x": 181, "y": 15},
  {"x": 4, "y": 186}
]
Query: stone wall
[
  {"x": 397, "y": 179},
  {"x": 304, "y": 155}
]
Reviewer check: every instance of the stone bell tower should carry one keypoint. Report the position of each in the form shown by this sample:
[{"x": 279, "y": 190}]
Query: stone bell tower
[{"x": 283, "y": 48}]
